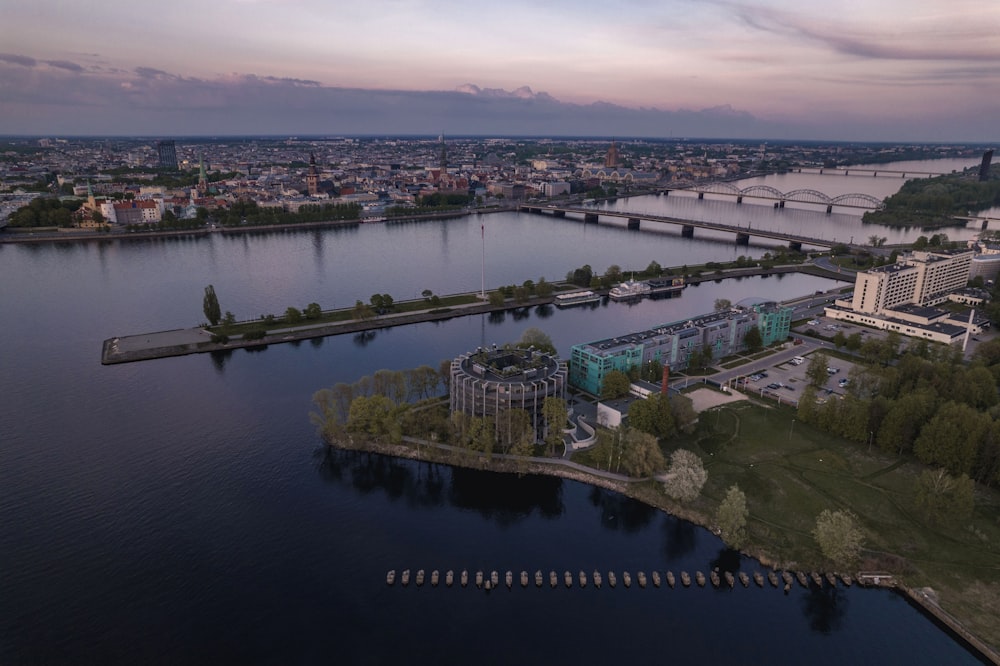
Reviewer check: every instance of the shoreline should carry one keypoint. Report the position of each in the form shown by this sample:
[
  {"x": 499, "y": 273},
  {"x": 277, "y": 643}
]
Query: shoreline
[
  {"x": 506, "y": 464},
  {"x": 181, "y": 342}
]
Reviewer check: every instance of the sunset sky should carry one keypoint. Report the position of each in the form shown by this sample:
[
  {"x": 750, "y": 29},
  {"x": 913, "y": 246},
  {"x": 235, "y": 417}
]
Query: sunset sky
[{"x": 847, "y": 69}]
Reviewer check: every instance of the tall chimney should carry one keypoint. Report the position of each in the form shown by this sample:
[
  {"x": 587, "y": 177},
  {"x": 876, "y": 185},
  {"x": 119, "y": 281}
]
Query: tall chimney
[{"x": 665, "y": 380}]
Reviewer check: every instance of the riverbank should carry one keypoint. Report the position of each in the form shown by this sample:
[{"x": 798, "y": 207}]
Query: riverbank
[
  {"x": 93, "y": 235},
  {"x": 645, "y": 491}
]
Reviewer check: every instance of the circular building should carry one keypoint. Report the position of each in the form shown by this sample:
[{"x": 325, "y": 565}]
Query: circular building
[{"x": 488, "y": 381}]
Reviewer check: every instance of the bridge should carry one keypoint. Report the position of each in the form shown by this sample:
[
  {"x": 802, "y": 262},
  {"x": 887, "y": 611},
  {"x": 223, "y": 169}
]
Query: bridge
[
  {"x": 743, "y": 234},
  {"x": 875, "y": 172},
  {"x": 855, "y": 200}
]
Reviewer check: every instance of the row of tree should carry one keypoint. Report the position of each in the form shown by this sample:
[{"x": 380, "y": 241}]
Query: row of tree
[{"x": 45, "y": 212}]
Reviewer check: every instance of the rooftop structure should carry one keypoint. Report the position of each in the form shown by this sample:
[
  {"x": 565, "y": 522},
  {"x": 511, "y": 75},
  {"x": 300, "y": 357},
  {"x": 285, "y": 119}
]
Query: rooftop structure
[
  {"x": 674, "y": 344},
  {"x": 488, "y": 382}
]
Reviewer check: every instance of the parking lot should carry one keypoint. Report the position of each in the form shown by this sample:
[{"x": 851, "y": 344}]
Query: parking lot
[{"x": 785, "y": 381}]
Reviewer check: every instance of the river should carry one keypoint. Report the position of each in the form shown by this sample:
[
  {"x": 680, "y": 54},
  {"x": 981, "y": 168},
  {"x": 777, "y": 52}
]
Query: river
[{"x": 184, "y": 511}]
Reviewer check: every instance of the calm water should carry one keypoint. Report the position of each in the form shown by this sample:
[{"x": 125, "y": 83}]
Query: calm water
[{"x": 183, "y": 510}]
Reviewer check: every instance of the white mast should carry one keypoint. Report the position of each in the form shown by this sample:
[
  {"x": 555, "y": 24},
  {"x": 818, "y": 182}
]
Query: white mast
[{"x": 482, "y": 293}]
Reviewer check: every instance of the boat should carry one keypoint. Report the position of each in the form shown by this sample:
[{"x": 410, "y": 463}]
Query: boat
[
  {"x": 744, "y": 579},
  {"x": 627, "y": 579},
  {"x": 685, "y": 579},
  {"x": 390, "y": 577},
  {"x": 465, "y": 577},
  {"x": 699, "y": 578},
  {"x": 730, "y": 579},
  {"x": 817, "y": 579},
  {"x": 568, "y": 577},
  {"x": 667, "y": 285},
  {"x": 583, "y": 579},
  {"x": 612, "y": 580},
  {"x": 479, "y": 579},
  {"x": 670, "y": 578},
  {"x": 524, "y": 579},
  {"x": 629, "y": 290},
  {"x": 538, "y": 579},
  {"x": 758, "y": 578},
  {"x": 848, "y": 581},
  {"x": 715, "y": 578},
  {"x": 406, "y": 577},
  {"x": 786, "y": 577},
  {"x": 641, "y": 577},
  {"x": 597, "y": 579},
  {"x": 772, "y": 578},
  {"x": 449, "y": 578},
  {"x": 509, "y": 580},
  {"x": 420, "y": 577},
  {"x": 553, "y": 579},
  {"x": 832, "y": 579},
  {"x": 803, "y": 580},
  {"x": 576, "y": 298},
  {"x": 656, "y": 578},
  {"x": 435, "y": 577},
  {"x": 494, "y": 579}
]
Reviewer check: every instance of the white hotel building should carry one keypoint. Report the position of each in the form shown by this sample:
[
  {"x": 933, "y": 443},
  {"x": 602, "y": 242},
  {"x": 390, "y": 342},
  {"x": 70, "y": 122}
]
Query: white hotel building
[{"x": 900, "y": 297}]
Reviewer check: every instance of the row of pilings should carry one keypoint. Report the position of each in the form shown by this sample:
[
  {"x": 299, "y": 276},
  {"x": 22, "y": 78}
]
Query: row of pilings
[{"x": 491, "y": 580}]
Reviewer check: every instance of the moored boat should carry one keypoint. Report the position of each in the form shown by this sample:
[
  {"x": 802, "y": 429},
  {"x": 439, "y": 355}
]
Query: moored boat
[
  {"x": 656, "y": 578},
  {"x": 627, "y": 579},
  {"x": 576, "y": 298},
  {"x": 390, "y": 577},
  {"x": 420, "y": 577},
  {"x": 597, "y": 579},
  {"x": 715, "y": 578},
  {"x": 685, "y": 579},
  {"x": 538, "y": 578},
  {"x": 730, "y": 579},
  {"x": 479, "y": 579},
  {"x": 744, "y": 579},
  {"x": 435, "y": 577},
  {"x": 641, "y": 578},
  {"x": 568, "y": 578},
  {"x": 772, "y": 578},
  {"x": 831, "y": 579},
  {"x": 449, "y": 578},
  {"x": 583, "y": 579},
  {"x": 670, "y": 578},
  {"x": 553, "y": 579},
  {"x": 465, "y": 577},
  {"x": 758, "y": 578},
  {"x": 509, "y": 580},
  {"x": 405, "y": 580},
  {"x": 699, "y": 578},
  {"x": 612, "y": 580},
  {"x": 629, "y": 290},
  {"x": 524, "y": 579}
]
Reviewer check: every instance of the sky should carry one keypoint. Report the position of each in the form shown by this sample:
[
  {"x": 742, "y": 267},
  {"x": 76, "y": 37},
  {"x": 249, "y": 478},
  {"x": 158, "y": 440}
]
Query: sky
[{"x": 867, "y": 70}]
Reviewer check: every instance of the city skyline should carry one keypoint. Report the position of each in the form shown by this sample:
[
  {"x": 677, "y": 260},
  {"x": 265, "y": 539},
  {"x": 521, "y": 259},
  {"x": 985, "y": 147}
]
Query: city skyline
[{"x": 898, "y": 71}]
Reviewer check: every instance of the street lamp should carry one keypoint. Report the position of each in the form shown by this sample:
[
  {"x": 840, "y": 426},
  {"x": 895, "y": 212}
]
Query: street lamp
[
  {"x": 790, "y": 429},
  {"x": 871, "y": 436}
]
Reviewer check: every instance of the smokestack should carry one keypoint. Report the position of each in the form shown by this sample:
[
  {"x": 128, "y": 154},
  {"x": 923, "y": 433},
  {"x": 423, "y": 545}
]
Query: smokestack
[{"x": 665, "y": 380}]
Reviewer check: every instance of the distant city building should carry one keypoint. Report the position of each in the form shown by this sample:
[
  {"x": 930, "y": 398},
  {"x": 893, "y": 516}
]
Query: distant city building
[
  {"x": 489, "y": 381},
  {"x": 611, "y": 159},
  {"x": 674, "y": 344},
  {"x": 167, "y": 152}
]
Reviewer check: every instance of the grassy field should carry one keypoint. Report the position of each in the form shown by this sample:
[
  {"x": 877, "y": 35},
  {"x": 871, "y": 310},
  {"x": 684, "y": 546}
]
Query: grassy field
[{"x": 791, "y": 472}]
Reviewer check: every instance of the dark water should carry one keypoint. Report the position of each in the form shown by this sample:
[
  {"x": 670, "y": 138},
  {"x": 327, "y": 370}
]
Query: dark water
[{"x": 183, "y": 510}]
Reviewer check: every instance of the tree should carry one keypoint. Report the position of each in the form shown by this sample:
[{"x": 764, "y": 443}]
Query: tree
[
  {"x": 554, "y": 412},
  {"x": 943, "y": 498},
  {"x": 427, "y": 293},
  {"x": 816, "y": 372},
  {"x": 293, "y": 315},
  {"x": 685, "y": 476},
  {"x": 753, "y": 340},
  {"x": 616, "y": 385},
  {"x": 654, "y": 269},
  {"x": 641, "y": 456},
  {"x": 722, "y": 304},
  {"x": 652, "y": 415},
  {"x": 839, "y": 339},
  {"x": 313, "y": 311},
  {"x": 543, "y": 288},
  {"x": 375, "y": 417},
  {"x": 951, "y": 438},
  {"x": 537, "y": 338},
  {"x": 362, "y": 312},
  {"x": 839, "y": 537},
  {"x": 210, "y": 306},
  {"x": 496, "y": 298},
  {"x": 731, "y": 518}
]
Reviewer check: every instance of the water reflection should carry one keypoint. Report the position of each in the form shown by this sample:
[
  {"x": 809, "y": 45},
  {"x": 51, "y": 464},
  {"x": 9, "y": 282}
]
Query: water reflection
[
  {"x": 824, "y": 608},
  {"x": 364, "y": 338},
  {"x": 619, "y": 512},
  {"x": 220, "y": 358},
  {"x": 544, "y": 311},
  {"x": 726, "y": 560},
  {"x": 502, "y": 498},
  {"x": 680, "y": 538}
]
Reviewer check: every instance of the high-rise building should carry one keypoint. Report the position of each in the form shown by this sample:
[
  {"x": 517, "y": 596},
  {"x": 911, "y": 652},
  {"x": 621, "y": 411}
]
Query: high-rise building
[
  {"x": 923, "y": 278},
  {"x": 984, "y": 167},
  {"x": 167, "y": 151}
]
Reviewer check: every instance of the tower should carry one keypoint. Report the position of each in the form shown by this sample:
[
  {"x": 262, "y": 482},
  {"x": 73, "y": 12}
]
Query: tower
[
  {"x": 202, "y": 177},
  {"x": 312, "y": 177},
  {"x": 611, "y": 160}
]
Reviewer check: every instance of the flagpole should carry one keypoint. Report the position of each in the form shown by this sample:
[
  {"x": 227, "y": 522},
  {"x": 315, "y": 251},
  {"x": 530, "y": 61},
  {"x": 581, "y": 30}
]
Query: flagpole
[{"x": 482, "y": 293}]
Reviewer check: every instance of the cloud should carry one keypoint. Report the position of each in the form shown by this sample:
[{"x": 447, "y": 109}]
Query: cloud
[
  {"x": 13, "y": 59},
  {"x": 64, "y": 64}
]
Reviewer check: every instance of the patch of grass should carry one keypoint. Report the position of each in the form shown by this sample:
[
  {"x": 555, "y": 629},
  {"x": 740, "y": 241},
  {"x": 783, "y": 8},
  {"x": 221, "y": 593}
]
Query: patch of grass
[{"x": 791, "y": 472}]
